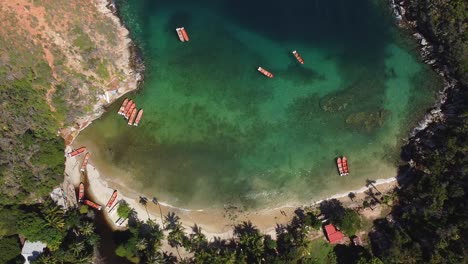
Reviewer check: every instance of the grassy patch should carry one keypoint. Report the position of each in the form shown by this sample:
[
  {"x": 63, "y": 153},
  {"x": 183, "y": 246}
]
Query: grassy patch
[
  {"x": 320, "y": 251},
  {"x": 82, "y": 40}
]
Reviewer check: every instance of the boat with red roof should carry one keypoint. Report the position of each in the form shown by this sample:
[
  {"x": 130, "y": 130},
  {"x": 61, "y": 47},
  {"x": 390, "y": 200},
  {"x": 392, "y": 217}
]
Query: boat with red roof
[
  {"x": 298, "y": 57},
  {"x": 132, "y": 117},
  {"x": 122, "y": 107},
  {"x": 92, "y": 204},
  {"x": 81, "y": 192},
  {"x": 127, "y": 107},
  {"x": 127, "y": 115},
  {"x": 112, "y": 199},
  {"x": 184, "y": 34},
  {"x": 345, "y": 165},
  {"x": 265, "y": 72},
  {"x": 179, "y": 33},
  {"x": 138, "y": 119},
  {"x": 85, "y": 162},
  {"x": 76, "y": 152},
  {"x": 339, "y": 164}
]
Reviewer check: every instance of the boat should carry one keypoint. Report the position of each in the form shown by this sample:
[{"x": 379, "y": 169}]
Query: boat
[
  {"x": 345, "y": 166},
  {"x": 81, "y": 193},
  {"x": 339, "y": 163},
  {"x": 93, "y": 205},
  {"x": 127, "y": 107},
  {"x": 265, "y": 72},
  {"x": 138, "y": 118},
  {"x": 122, "y": 107},
  {"x": 184, "y": 34},
  {"x": 76, "y": 152},
  {"x": 179, "y": 33},
  {"x": 298, "y": 57},
  {"x": 132, "y": 117},
  {"x": 130, "y": 111},
  {"x": 85, "y": 162},
  {"x": 112, "y": 199}
]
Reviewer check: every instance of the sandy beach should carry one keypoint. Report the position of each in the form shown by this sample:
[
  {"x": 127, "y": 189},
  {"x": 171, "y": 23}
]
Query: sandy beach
[{"x": 214, "y": 223}]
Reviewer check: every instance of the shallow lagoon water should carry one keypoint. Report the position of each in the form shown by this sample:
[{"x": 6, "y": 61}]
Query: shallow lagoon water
[{"x": 215, "y": 131}]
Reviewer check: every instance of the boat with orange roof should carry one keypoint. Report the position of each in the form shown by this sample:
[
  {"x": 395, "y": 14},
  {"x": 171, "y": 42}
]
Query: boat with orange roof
[
  {"x": 92, "y": 204},
  {"x": 339, "y": 164},
  {"x": 112, "y": 199},
  {"x": 345, "y": 166},
  {"x": 184, "y": 34},
  {"x": 179, "y": 33},
  {"x": 85, "y": 162},
  {"x": 265, "y": 72},
  {"x": 127, "y": 107},
  {"x": 298, "y": 57},
  {"x": 132, "y": 117},
  {"x": 130, "y": 111},
  {"x": 138, "y": 118},
  {"x": 76, "y": 152},
  {"x": 81, "y": 193},
  {"x": 122, "y": 107}
]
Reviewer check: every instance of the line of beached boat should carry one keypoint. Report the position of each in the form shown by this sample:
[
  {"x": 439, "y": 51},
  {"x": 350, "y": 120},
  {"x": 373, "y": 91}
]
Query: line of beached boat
[
  {"x": 342, "y": 164},
  {"x": 81, "y": 199},
  {"x": 129, "y": 111}
]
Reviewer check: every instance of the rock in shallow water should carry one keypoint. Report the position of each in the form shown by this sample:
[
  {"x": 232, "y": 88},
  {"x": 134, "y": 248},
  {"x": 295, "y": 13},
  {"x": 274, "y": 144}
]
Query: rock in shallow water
[{"x": 367, "y": 121}]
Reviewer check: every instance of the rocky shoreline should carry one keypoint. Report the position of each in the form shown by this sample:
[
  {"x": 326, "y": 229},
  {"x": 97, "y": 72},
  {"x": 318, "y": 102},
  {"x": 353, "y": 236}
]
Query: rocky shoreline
[{"x": 448, "y": 105}]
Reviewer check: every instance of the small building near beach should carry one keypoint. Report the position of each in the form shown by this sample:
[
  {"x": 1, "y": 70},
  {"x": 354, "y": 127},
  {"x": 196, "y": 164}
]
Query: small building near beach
[
  {"x": 32, "y": 250},
  {"x": 333, "y": 235}
]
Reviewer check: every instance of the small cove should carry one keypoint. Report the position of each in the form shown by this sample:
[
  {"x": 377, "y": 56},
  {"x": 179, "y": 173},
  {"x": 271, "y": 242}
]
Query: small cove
[{"x": 215, "y": 131}]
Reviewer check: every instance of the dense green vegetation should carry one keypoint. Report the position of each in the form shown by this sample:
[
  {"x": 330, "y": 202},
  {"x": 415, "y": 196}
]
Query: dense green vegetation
[
  {"x": 300, "y": 241},
  {"x": 444, "y": 23}
]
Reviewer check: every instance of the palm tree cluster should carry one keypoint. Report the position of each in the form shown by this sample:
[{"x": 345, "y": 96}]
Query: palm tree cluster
[
  {"x": 248, "y": 245},
  {"x": 79, "y": 238}
]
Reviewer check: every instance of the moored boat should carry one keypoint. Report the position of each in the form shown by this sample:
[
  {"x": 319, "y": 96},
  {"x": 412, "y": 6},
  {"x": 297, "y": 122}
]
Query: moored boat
[
  {"x": 179, "y": 33},
  {"x": 132, "y": 117},
  {"x": 184, "y": 34},
  {"x": 129, "y": 112},
  {"x": 345, "y": 166},
  {"x": 339, "y": 164},
  {"x": 265, "y": 72},
  {"x": 112, "y": 199},
  {"x": 122, "y": 107},
  {"x": 138, "y": 119},
  {"x": 92, "y": 204},
  {"x": 76, "y": 152},
  {"x": 81, "y": 193},
  {"x": 85, "y": 162},
  {"x": 298, "y": 57},
  {"x": 127, "y": 107}
]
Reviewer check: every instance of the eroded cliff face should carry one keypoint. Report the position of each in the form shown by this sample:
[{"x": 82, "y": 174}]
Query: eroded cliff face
[
  {"x": 60, "y": 63},
  {"x": 82, "y": 50}
]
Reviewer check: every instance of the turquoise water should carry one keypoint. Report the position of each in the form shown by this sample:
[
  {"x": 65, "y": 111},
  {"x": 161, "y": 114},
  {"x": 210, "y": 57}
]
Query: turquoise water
[{"x": 215, "y": 131}]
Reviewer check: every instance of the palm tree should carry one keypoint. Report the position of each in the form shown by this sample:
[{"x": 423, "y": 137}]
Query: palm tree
[
  {"x": 156, "y": 202},
  {"x": 144, "y": 201},
  {"x": 197, "y": 239},
  {"x": 77, "y": 248},
  {"x": 176, "y": 235},
  {"x": 156, "y": 258},
  {"x": 142, "y": 245},
  {"x": 250, "y": 241},
  {"x": 351, "y": 196},
  {"x": 171, "y": 220},
  {"x": 371, "y": 183},
  {"x": 86, "y": 229}
]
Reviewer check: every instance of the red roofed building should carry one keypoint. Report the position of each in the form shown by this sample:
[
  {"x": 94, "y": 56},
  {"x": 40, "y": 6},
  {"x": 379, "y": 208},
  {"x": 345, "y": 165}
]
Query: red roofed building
[{"x": 333, "y": 235}]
